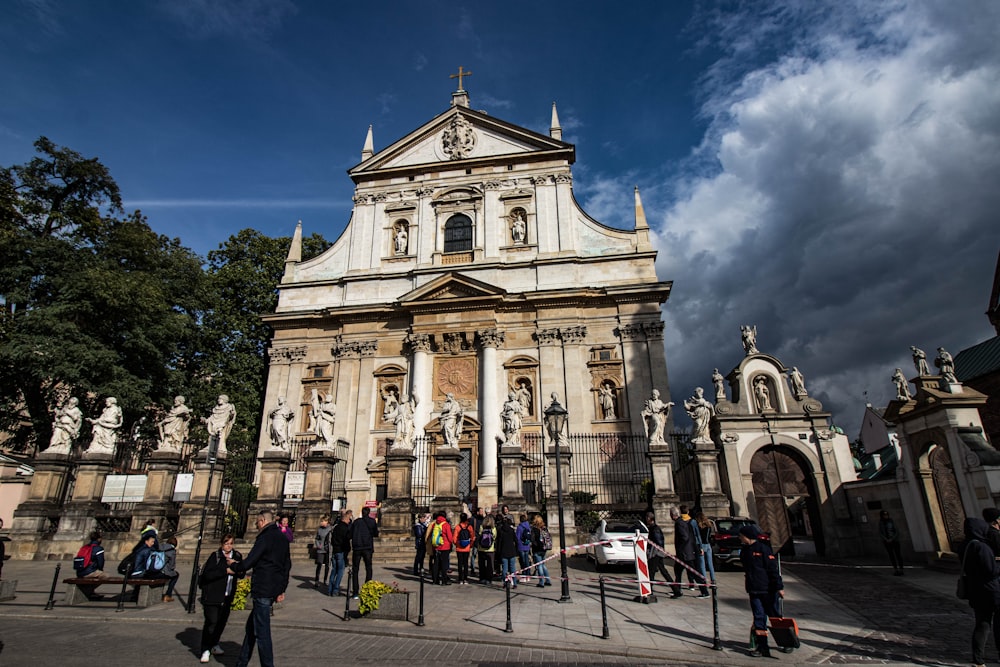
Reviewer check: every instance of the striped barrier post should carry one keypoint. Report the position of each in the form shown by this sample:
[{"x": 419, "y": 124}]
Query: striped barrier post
[{"x": 642, "y": 571}]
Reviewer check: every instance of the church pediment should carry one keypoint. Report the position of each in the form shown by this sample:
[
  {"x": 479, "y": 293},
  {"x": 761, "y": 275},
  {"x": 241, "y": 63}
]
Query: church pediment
[
  {"x": 450, "y": 287},
  {"x": 460, "y": 135}
]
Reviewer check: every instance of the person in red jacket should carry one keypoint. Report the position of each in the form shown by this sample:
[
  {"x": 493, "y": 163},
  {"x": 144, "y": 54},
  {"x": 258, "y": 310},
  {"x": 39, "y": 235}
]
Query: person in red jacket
[{"x": 441, "y": 540}]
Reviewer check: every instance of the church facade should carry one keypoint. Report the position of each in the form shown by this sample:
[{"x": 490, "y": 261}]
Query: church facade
[{"x": 468, "y": 272}]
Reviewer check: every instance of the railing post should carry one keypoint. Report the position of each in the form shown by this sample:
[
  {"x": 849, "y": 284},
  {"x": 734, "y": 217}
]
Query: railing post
[
  {"x": 420, "y": 618},
  {"x": 510, "y": 626},
  {"x": 717, "y": 640},
  {"x": 52, "y": 592},
  {"x": 605, "y": 633},
  {"x": 347, "y": 605}
]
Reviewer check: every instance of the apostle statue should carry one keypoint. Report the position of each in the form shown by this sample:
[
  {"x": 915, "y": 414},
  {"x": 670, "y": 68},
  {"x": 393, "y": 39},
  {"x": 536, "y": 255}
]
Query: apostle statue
[
  {"x": 607, "y": 398},
  {"x": 400, "y": 240},
  {"x": 518, "y": 228},
  {"x": 902, "y": 386},
  {"x": 66, "y": 427},
  {"x": 798, "y": 383},
  {"x": 389, "y": 404},
  {"x": 946, "y": 364},
  {"x": 314, "y": 404},
  {"x": 402, "y": 419},
  {"x": 524, "y": 396},
  {"x": 325, "y": 418},
  {"x": 451, "y": 421},
  {"x": 173, "y": 428},
  {"x": 654, "y": 418},
  {"x": 749, "y": 335},
  {"x": 718, "y": 381},
  {"x": 280, "y": 421},
  {"x": 105, "y": 428},
  {"x": 920, "y": 361},
  {"x": 761, "y": 394},
  {"x": 220, "y": 422},
  {"x": 511, "y": 417},
  {"x": 700, "y": 410}
]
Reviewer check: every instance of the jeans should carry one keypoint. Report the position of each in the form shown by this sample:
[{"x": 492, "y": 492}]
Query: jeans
[
  {"x": 524, "y": 557},
  {"x": 336, "y": 573},
  {"x": 418, "y": 559},
  {"x": 258, "y": 631},
  {"x": 680, "y": 569},
  {"x": 216, "y": 617},
  {"x": 541, "y": 569},
  {"x": 709, "y": 568},
  {"x": 508, "y": 566},
  {"x": 366, "y": 556},
  {"x": 171, "y": 584},
  {"x": 763, "y": 605}
]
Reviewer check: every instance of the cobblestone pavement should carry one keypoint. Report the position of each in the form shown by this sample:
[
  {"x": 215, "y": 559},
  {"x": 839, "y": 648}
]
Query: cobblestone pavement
[{"x": 906, "y": 622}]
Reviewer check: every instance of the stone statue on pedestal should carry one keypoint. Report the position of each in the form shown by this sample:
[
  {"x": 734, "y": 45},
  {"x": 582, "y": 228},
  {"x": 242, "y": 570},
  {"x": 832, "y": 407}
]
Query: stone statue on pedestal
[
  {"x": 700, "y": 410},
  {"x": 749, "y": 335},
  {"x": 654, "y": 418},
  {"x": 66, "y": 427},
  {"x": 607, "y": 398},
  {"x": 451, "y": 421},
  {"x": 105, "y": 428},
  {"x": 902, "y": 386},
  {"x": 511, "y": 417},
  {"x": 720, "y": 388},
  {"x": 402, "y": 419},
  {"x": 220, "y": 422},
  {"x": 280, "y": 420},
  {"x": 325, "y": 419},
  {"x": 173, "y": 428},
  {"x": 920, "y": 361},
  {"x": 946, "y": 365},
  {"x": 798, "y": 383},
  {"x": 761, "y": 394}
]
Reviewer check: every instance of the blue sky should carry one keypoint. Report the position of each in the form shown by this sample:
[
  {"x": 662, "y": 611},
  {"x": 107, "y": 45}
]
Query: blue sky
[{"x": 825, "y": 170}]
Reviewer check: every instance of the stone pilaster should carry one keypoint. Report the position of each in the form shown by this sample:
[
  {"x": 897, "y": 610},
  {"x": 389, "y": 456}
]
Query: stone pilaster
[
  {"x": 397, "y": 508},
  {"x": 77, "y": 518},
  {"x": 41, "y": 509},
  {"x": 552, "y": 505},
  {"x": 511, "y": 462},
  {"x": 664, "y": 495},
  {"x": 446, "y": 463},
  {"x": 271, "y": 490},
  {"x": 162, "y": 469},
  {"x": 317, "y": 497}
]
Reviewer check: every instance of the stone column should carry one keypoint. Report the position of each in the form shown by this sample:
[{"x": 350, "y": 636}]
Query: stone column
[
  {"x": 446, "y": 463},
  {"x": 271, "y": 490},
  {"x": 207, "y": 487},
  {"x": 552, "y": 505},
  {"x": 397, "y": 508},
  {"x": 421, "y": 386},
  {"x": 42, "y": 507},
  {"x": 512, "y": 460},
  {"x": 664, "y": 495},
  {"x": 77, "y": 519},
  {"x": 317, "y": 498},
  {"x": 489, "y": 411},
  {"x": 157, "y": 503}
]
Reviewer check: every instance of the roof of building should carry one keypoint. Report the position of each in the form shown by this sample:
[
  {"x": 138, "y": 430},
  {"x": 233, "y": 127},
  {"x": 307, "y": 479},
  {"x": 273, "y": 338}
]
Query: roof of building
[{"x": 978, "y": 360}]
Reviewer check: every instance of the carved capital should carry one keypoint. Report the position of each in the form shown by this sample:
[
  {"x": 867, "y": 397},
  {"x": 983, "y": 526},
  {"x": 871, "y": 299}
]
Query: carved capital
[
  {"x": 547, "y": 336},
  {"x": 573, "y": 334},
  {"x": 563, "y": 178},
  {"x": 654, "y": 330},
  {"x": 453, "y": 342},
  {"x": 381, "y": 197},
  {"x": 539, "y": 180},
  {"x": 418, "y": 342},
  {"x": 342, "y": 349},
  {"x": 631, "y": 332},
  {"x": 286, "y": 355},
  {"x": 425, "y": 192},
  {"x": 491, "y": 338},
  {"x": 492, "y": 185}
]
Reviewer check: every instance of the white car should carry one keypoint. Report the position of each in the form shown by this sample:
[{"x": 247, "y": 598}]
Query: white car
[{"x": 621, "y": 548}]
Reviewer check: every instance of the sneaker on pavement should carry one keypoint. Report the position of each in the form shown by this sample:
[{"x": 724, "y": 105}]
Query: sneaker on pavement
[
  {"x": 206, "y": 656},
  {"x": 217, "y": 650}
]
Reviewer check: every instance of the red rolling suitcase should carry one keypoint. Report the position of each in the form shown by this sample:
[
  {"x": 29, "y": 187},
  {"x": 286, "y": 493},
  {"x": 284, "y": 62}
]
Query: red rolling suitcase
[{"x": 785, "y": 631}]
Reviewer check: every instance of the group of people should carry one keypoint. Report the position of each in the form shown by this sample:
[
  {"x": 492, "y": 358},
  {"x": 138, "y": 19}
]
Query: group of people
[
  {"x": 496, "y": 544},
  {"x": 333, "y": 544},
  {"x": 150, "y": 558},
  {"x": 692, "y": 550}
]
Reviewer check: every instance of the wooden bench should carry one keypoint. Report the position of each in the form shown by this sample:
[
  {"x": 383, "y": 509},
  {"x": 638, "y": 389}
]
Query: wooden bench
[{"x": 149, "y": 591}]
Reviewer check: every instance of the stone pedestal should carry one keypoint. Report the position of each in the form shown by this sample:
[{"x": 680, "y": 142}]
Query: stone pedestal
[
  {"x": 711, "y": 499},
  {"x": 318, "y": 494},
  {"x": 398, "y": 507},
  {"x": 552, "y": 504},
  {"x": 39, "y": 513},
  {"x": 162, "y": 469},
  {"x": 271, "y": 490},
  {"x": 511, "y": 469},
  {"x": 446, "y": 463},
  {"x": 207, "y": 487},
  {"x": 77, "y": 520}
]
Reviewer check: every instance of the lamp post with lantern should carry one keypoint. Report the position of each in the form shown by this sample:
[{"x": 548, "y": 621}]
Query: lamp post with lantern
[{"x": 555, "y": 423}]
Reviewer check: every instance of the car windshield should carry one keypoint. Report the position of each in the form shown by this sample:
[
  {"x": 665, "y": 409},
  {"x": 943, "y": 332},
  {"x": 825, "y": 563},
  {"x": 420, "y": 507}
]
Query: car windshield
[
  {"x": 625, "y": 528},
  {"x": 729, "y": 526}
]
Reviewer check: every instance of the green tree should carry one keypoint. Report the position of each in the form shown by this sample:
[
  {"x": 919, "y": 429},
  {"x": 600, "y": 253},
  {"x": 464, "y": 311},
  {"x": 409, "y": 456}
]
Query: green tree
[
  {"x": 244, "y": 274},
  {"x": 94, "y": 303}
]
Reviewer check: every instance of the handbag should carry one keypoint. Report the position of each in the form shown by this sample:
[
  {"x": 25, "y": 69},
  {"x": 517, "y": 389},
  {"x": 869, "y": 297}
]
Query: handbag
[{"x": 961, "y": 591}]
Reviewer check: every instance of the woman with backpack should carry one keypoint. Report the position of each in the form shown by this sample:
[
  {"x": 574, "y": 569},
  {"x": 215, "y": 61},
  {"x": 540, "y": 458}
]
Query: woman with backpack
[
  {"x": 170, "y": 567},
  {"x": 523, "y": 533},
  {"x": 440, "y": 538},
  {"x": 541, "y": 542},
  {"x": 465, "y": 537},
  {"x": 487, "y": 545}
]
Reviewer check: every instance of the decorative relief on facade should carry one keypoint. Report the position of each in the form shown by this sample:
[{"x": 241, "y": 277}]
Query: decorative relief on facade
[
  {"x": 563, "y": 178},
  {"x": 812, "y": 405},
  {"x": 453, "y": 342},
  {"x": 573, "y": 335},
  {"x": 724, "y": 408},
  {"x": 354, "y": 348},
  {"x": 418, "y": 342},
  {"x": 654, "y": 330},
  {"x": 381, "y": 197},
  {"x": 286, "y": 355},
  {"x": 491, "y": 338},
  {"x": 547, "y": 336},
  {"x": 539, "y": 180},
  {"x": 825, "y": 434},
  {"x": 455, "y": 376},
  {"x": 425, "y": 192},
  {"x": 458, "y": 139},
  {"x": 730, "y": 438},
  {"x": 492, "y": 185},
  {"x": 630, "y": 331}
]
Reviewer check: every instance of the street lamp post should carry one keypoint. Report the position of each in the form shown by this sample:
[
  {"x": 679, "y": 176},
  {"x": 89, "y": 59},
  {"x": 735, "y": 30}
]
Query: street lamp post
[
  {"x": 555, "y": 422},
  {"x": 213, "y": 447}
]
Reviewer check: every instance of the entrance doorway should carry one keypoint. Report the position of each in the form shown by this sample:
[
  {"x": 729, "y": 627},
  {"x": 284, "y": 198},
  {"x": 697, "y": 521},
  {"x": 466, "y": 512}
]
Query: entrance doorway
[{"x": 785, "y": 498}]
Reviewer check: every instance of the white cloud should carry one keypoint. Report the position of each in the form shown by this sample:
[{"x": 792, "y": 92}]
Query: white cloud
[
  {"x": 844, "y": 198},
  {"x": 248, "y": 19}
]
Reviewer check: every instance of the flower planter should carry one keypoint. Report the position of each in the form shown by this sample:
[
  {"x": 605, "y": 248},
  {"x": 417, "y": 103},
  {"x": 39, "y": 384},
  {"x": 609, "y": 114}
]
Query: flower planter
[{"x": 392, "y": 607}]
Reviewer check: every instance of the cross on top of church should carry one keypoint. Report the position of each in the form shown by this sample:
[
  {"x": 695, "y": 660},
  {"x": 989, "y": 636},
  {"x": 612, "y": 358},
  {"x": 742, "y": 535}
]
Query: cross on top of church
[{"x": 459, "y": 76}]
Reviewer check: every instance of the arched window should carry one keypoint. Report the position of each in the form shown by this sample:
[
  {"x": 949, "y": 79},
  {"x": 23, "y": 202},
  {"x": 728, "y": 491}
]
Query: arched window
[{"x": 458, "y": 233}]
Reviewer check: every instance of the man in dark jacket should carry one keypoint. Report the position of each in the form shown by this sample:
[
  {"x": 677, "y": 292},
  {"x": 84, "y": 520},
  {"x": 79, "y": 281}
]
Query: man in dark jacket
[
  {"x": 271, "y": 563},
  {"x": 763, "y": 585},
  {"x": 339, "y": 546},
  {"x": 685, "y": 553},
  {"x": 363, "y": 534},
  {"x": 654, "y": 555}
]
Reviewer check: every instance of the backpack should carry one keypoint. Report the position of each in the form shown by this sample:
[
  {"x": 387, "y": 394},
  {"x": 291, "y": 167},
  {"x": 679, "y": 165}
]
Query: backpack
[
  {"x": 125, "y": 567},
  {"x": 545, "y": 539},
  {"x": 156, "y": 562},
  {"x": 464, "y": 536},
  {"x": 437, "y": 536},
  {"x": 486, "y": 539},
  {"x": 83, "y": 556},
  {"x": 526, "y": 538}
]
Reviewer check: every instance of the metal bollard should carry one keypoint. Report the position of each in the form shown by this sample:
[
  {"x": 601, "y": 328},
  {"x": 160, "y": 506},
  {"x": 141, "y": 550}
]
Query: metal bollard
[
  {"x": 420, "y": 618},
  {"x": 717, "y": 640},
  {"x": 510, "y": 626},
  {"x": 605, "y": 633},
  {"x": 52, "y": 592},
  {"x": 347, "y": 605},
  {"x": 121, "y": 596}
]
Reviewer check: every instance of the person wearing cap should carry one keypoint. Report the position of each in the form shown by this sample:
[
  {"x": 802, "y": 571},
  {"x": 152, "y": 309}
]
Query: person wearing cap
[
  {"x": 991, "y": 515},
  {"x": 889, "y": 533},
  {"x": 763, "y": 586}
]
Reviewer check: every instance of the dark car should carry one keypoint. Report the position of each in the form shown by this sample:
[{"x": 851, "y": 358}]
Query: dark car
[{"x": 726, "y": 543}]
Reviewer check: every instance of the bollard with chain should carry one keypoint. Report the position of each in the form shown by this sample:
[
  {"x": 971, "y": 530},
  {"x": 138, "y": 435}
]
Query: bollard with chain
[
  {"x": 52, "y": 592},
  {"x": 420, "y": 618},
  {"x": 716, "y": 640},
  {"x": 347, "y": 605},
  {"x": 506, "y": 585},
  {"x": 605, "y": 633}
]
